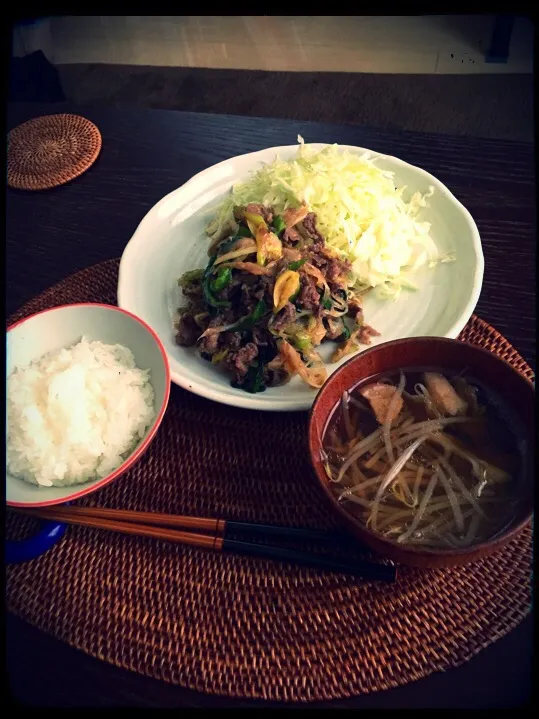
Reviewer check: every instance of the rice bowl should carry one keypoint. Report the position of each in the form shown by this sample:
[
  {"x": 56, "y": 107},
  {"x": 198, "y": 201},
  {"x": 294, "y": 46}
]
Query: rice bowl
[
  {"x": 51, "y": 333},
  {"x": 74, "y": 414}
]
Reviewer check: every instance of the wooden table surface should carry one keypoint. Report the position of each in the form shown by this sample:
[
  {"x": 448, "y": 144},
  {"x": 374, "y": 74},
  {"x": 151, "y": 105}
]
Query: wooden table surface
[{"x": 145, "y": 155}]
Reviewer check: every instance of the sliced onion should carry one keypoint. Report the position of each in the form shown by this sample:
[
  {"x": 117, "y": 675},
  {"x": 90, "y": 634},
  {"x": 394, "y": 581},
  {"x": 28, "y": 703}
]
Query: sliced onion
[
  {"x": 245, "y": 250},
  {"x": 216, "y": 330},
  {"x": 252, "y": 268}
]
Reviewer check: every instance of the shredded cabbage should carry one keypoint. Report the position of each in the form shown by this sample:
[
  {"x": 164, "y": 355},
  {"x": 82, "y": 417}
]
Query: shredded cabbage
[{"x": 360, "y": 212}]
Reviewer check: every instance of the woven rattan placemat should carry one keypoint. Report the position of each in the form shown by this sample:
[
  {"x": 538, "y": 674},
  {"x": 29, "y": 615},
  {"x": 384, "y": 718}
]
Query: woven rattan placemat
[
  {"x": 50, "y": 150},
  {"x": 239, "y": 626}
]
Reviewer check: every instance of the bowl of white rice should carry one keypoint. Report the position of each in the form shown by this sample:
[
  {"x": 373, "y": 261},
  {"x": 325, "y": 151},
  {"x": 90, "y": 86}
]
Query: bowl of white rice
[{"x": 87, "y": 387}]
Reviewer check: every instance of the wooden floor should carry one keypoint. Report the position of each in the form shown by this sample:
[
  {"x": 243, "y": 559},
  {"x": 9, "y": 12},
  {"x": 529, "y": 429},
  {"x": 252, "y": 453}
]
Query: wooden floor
[{"x": 446, "y": 44}]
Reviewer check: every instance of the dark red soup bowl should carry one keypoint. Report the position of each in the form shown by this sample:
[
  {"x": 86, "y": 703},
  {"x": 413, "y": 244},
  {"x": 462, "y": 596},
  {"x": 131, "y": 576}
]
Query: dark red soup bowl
[{"x": 516, "y": 392}]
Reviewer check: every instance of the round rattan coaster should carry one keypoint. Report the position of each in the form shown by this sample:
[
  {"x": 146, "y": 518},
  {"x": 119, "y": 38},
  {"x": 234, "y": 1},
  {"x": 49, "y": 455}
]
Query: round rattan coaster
[
  {"x": 50, "y": 150},
  {"x": 244, "y": 627}
]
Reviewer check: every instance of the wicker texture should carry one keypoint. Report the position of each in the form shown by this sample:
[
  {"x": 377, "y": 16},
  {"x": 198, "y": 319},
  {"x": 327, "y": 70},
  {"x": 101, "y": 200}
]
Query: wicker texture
[
  {"x": 51, "y": 150},
  {"x": 244, "y": 627}
]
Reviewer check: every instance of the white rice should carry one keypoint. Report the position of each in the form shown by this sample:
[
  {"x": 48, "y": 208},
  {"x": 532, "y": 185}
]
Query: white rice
[{"x": 75, "y": 415}]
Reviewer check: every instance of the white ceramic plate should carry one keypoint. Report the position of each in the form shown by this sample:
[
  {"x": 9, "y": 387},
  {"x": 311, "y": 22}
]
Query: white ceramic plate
[{"x": 170, "y": 240}]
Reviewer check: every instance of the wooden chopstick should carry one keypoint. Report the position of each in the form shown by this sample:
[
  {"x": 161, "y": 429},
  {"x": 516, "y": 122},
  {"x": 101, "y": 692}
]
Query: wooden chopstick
[
  {"x": 156, "y": 519},
  {"x": 178, "y": 521},
  {"x": 80, "y": 516},
  {"x": 138, "y": 529}
]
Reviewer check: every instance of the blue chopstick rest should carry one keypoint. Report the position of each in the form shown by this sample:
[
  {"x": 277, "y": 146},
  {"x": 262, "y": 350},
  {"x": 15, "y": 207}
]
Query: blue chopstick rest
[{"x": 31, "y": 548}]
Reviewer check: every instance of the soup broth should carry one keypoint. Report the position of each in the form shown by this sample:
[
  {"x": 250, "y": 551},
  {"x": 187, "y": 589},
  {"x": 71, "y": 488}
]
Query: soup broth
[{"x": 426, "y": 457}]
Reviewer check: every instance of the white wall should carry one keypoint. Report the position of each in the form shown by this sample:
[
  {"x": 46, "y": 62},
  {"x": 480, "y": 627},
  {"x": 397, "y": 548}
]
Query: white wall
[{"x": 421, "y": 44}]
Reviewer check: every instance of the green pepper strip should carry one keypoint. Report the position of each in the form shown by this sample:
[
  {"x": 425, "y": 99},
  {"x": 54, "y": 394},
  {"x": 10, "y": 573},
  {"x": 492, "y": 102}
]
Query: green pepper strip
[
  {"x": 247, "y": 322},
  {"x": 296, "y": 265},
  {"x": 206, "y": 288},
  {"x": 254, "y": 380},
  {"x": 243, "y": 232},
  {"x": 326, "y": 304},
  {"x": 278, "y": 224},
  {"x": 223, "y": 279},
  {"x": 302, "y": 342}
]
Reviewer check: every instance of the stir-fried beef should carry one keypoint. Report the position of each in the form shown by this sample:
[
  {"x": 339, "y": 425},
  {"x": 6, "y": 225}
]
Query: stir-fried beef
[
  {"x": 310, "y": 229},
  {"x": 366, "y": 333},
  {"x": 335, "y": 327},
  {"x": 275, "y": 377},
  {"x": 261, "y": 337},
  {"x": 243, "y": 300},
  {"x": 290, "y": 237},
  {"x": 355, "y": 310},
  {"x": 257, "y": 209},
  {"x": 188, "y": 331},
  {"x": 309, "y": 297},
  {"x": 335, "y": 269},
  {"x": 255, "y": 288},
  {"x": 284, "y": 317},
  {"x": 209, "y": 344},
  {"x": 230, "y": 340},
  {"x": 238, "y": 361}
]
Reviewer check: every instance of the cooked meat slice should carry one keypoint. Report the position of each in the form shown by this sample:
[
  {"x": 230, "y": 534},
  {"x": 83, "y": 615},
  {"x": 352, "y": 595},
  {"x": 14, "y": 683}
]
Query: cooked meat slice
[
  {"x": 257, "y": 209},
  {"x": 358, "y": 316},
  {"x": 308, "y": 298},
  {"x": 334, "y": 327},
  {"x": 264, "y": 289},
  {"x": 281, "y": 265},
  {"x": 381, "y": 396},
  {"x": 308, "y": 224},
  {"x": 261, "y": 337},
  {"x": 209, "y": 343},
  {"x": 366, "y": 333},
  {"x": 284, "y": 317},
  {"x": 356, "y": 311},
  {"x": 291, "y": 255},
  {"x": 316, "y": 258},
  {"x": 240, "y": 360},
  {"x": 338, "y": 270},
  {"x": 230, "y": 340},
  {"x": 334, "y": 268},
  {"x": 354, "y": 305},
  {"x": 231, "y": 292},
  {"x": 275, "y": 377},
  {"x": 290, "y": 237},
  {"x": 248, "y": 290},
  {"x": 445, "y": 399},
  {"x": 202, "y": 318},
  {"x": 188, "y": 331},
  {"x": 242, "y": 243},
  {"x": 255, "y": 288},
  {"x": 193, "y": 290},
  {"x": 293, "y": 215},
  {"x": 209, "y": 340}
]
